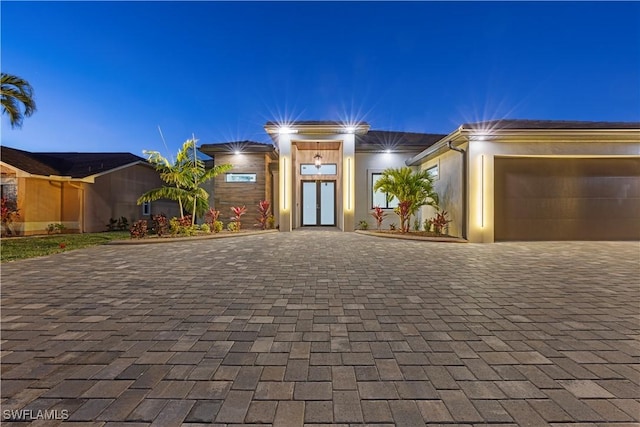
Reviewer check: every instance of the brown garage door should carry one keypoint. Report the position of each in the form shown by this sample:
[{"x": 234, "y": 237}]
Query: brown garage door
[{"x": 567, "y": 199}]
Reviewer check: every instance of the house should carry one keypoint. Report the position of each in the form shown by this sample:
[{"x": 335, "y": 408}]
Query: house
[
  {"x": 498, "y": 180},
  {"x": 81, "y": 191}
]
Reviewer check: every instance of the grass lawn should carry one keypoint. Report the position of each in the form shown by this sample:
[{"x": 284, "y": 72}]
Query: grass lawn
[{"x": 28, "y": 247}]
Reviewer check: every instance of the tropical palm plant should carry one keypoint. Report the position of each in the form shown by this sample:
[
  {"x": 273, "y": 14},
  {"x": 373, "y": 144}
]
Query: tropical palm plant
[
  {"x": 413, "y": 189},
  {"x": 16, "y": 95},
  {"x": 184, "y": 177}
]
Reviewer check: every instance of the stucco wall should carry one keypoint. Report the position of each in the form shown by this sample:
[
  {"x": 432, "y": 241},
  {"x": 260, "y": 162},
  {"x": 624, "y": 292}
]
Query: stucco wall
[
  {"x": 42, "y": 202},
  {"x": 449, "y": 187},
  {"x": 115, "y": 194},
  {"x": 367, "y": 164},
  {"x": 481, "y": 168}
]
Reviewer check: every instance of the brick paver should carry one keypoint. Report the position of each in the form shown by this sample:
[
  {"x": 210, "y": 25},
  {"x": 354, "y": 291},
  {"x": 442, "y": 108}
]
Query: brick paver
[{"x": 323, "y": 327}]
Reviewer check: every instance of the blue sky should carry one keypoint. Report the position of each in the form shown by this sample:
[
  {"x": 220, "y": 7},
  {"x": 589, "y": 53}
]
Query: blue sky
[{"x": 107, "y": 74}]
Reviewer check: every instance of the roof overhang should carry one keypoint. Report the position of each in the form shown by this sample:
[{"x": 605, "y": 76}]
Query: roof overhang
[
  {"x": 59, "y": 178},
  {"x": 461, "y": 136},
  {"x": 65, "y": 178},
  {"x": 316, "y": 128}
]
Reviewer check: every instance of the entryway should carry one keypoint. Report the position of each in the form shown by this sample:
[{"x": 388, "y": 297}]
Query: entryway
[{"x": 318, "y": 203}]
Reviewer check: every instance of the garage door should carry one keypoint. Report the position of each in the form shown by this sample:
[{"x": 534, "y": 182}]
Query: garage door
[{"x": 567, "y": 199}]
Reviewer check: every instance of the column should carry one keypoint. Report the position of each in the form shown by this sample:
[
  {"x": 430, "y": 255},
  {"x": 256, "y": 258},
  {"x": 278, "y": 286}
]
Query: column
[
  {"x": 349, "y": 182},
  {"x": 285, "y": 179}
]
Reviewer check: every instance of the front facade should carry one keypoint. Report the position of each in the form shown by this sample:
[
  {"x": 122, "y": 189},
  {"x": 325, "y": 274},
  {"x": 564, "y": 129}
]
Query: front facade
[
  {"x": 337, "y": 193},
  {"x": 499, "y": 181}
]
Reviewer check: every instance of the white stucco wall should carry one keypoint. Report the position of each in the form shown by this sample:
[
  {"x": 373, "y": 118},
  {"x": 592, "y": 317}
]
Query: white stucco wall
[
  {"x": 366, "y": 164},
  {"x": 449, "y": 187},
  {"x": 480, "y": 176}
]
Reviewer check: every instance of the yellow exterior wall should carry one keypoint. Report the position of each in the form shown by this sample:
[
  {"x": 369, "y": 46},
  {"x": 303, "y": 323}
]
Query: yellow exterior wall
[{"x": 42, "y": 202}]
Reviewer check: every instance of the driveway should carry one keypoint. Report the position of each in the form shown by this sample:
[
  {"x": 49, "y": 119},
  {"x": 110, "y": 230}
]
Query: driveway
[{"x": 324, "y": 327}]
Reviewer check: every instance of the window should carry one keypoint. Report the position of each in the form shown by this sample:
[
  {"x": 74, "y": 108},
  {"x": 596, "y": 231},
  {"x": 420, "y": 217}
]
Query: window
[
  {"x": 434, "y": 171},
  {"x": 240, "y": 177},
  {"x": 146, "y": 208},
  {"x": 378, "y": 198},
  {"x": 325, "y": 169}
]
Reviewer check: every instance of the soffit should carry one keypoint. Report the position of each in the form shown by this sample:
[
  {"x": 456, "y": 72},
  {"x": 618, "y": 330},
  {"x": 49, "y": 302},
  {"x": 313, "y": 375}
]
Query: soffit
[{"x": 317, "y": 145}]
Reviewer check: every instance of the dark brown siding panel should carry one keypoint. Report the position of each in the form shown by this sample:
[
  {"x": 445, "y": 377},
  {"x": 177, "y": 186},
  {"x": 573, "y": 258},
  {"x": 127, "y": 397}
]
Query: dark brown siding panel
[
  {"x": 230, "y": 194},
  {"x": 567, "y": 199}
]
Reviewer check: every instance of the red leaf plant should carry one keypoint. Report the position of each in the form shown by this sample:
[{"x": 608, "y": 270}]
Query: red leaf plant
[
  {"x": 263, "y": 215},
  {"x": 378, "y": 214},
  {"x": 404, "y": 212},
  {"x": 238, "y": 211}
]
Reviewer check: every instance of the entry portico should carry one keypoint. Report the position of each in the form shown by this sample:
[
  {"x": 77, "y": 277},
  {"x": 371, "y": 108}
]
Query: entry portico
[{"x": 312, "y": 194}]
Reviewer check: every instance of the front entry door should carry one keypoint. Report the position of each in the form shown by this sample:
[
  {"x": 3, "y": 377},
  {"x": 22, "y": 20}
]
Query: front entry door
[{"x": 318, "y": 203}]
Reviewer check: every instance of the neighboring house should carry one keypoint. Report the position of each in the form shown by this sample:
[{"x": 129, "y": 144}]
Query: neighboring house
[
  {"x": 82, "y": 191},
  {"x": 499, "y": 180}
]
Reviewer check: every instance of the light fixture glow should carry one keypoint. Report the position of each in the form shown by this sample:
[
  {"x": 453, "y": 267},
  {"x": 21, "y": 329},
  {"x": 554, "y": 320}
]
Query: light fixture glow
[
  {"x": 388, "y": 151},
  {"x": 349, "y": 183},
  {"x": 350, "y": 129},
  {"x": 482, "y": 187},
  {"x": 236, "y": 152},
  {"x": 317, "y": 159},
  {"x": 284, "y": 183},
  {"x": 286, "y": 130}
]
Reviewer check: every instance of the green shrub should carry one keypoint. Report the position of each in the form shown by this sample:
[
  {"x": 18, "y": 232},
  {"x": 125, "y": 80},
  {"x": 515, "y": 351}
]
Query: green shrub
[
  {"x": 217, "y": 226},
  {"x": 363, "y": 225},
  {"x": 174, "y": 226},
  {"x": 205, "y": 228},
  {"x": 119, "y": 224},
  {"x": 55, "y": 228},
  {"x": 233, "y": 226}
]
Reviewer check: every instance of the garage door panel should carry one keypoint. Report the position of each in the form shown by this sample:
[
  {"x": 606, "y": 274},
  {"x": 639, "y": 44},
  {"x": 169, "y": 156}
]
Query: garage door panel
[
  {"x": 574, "y": 208},
  {"x": 527, "y": 186},
  {"x": 551, "y": 229},
  {"x": 567, "y": 199}
]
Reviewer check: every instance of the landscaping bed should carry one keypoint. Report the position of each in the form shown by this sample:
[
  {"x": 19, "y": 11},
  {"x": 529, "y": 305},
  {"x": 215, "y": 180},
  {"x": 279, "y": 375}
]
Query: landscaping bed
[
  {"x": 153, "y": 238},
  {"x": 413, "y": 235}
]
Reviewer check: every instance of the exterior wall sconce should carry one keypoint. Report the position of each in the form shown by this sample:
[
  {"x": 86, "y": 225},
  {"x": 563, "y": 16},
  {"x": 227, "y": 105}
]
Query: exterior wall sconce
[{"x": 317, "y": 159}]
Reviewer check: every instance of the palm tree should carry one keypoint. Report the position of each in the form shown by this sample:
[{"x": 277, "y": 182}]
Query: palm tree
[
  {"x": 412, "y": 189},
  {"x": 184, "y": 178},
  {"x": 13, "y": 92}
]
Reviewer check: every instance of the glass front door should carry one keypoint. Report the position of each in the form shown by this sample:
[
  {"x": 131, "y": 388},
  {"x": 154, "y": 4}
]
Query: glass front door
[{"x": 318, "y": 203}]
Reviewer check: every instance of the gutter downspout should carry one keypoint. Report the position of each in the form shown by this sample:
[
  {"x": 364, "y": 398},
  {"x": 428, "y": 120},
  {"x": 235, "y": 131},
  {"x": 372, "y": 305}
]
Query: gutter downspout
[{"x": 464, "y": 187}]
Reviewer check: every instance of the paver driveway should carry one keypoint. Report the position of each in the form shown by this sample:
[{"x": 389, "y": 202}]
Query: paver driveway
[{"x": 322, "y": 327}]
